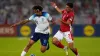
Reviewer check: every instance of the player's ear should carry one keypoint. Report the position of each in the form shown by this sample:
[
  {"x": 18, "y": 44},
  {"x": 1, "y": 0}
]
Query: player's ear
[{"x": 34, "y": 11}]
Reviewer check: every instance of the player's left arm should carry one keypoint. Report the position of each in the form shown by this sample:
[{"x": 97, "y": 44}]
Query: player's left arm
[
  {"x": 69, "y": 21},
  {"x": 50, "y": 19},
  {"x": 52, "y": 22},
  {"x": 56, "y": 7}
]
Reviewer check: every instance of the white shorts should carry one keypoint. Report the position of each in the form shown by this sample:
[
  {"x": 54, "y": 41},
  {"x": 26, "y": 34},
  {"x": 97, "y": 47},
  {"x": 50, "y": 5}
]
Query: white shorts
[{"x": 67, "y": 35}]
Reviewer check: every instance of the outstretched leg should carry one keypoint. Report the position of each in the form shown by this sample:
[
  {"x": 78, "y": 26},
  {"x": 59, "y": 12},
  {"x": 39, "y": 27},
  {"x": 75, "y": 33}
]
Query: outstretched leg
[
  {"x": 44, "y": 42},
  {"x": 74, "y": 50},
  {"x": 31, "y": 42},
  {"x": 57, "y": 43},
  {"x": 48, "y": 46}
]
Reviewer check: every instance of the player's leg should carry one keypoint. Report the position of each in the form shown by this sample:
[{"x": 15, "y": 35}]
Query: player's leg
[
  {"x": 57, "y": 39},
  {"x": 69, "y": 38},
  {"x": 48, "y": 46},
  {"x": 71, "y": 46},
  {"x": 32, "y": 40},
  {"x": 44, "y": 39}
]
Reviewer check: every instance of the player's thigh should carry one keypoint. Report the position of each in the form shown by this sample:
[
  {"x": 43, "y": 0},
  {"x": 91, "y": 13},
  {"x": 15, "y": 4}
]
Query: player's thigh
[
  {"x": 31, "y": 42},
  {"x": 35, "y": 37},
  {"x": 58, "y": 36},
  {"x": 44, "y": 38},
  {"x": 68, "y": 36}
]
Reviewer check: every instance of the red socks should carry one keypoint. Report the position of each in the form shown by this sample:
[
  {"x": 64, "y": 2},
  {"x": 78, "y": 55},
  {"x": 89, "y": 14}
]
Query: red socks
[
  {"x": 58, "y": 44},
  {"x": 75, "y": 51}
]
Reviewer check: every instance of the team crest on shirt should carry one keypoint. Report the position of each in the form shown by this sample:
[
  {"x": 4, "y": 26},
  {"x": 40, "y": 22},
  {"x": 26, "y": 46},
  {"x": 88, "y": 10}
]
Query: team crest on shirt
[{"x": 42, "y": 19}]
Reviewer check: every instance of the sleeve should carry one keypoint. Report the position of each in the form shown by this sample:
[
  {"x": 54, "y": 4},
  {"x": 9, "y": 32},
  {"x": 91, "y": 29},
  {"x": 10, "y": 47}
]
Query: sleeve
[
  {"x": 49, "y": 17},
  {"x": 31, "y": 17},
  {"x": 63, "y": 11},
  {"x": 71, "y": 17}
]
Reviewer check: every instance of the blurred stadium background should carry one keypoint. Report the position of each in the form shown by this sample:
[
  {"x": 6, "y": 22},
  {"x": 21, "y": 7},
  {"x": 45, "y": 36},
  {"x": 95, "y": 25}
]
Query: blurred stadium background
[{"x": 86, "y": 27}]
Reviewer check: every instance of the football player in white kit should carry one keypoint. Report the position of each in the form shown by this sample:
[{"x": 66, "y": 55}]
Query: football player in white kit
[{"x": 42, "y": 30}]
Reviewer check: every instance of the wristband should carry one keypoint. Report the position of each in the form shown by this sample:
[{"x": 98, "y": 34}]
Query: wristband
[{"x": 55, "y": 6}]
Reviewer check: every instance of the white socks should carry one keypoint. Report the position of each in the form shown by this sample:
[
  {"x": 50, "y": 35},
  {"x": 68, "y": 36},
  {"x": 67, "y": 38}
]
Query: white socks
[
  {"x": 23, "y": 53},
  {"x": 65, "y": 48},
  {"x": 78, "y": 54}
]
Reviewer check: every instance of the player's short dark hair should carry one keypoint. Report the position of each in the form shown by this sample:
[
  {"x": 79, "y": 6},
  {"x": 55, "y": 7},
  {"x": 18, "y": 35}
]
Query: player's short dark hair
[
  {"x": 37, "y": 7},
  {"x": 70, "y": 5}
]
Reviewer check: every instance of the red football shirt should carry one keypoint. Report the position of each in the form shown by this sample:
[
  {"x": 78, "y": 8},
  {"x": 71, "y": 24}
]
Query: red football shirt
[{"x": 66, "y": 16}]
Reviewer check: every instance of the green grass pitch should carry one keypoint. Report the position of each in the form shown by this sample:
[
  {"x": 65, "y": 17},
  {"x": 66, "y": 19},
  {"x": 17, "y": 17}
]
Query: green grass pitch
[{"x": 14, "y": 46}]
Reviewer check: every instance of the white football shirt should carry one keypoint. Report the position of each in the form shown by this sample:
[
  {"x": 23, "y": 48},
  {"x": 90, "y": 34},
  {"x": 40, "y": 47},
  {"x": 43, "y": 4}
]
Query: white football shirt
[{"x": 42, "y": 22}]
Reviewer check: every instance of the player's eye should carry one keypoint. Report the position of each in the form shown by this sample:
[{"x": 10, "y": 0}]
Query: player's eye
[{"x": 37, "y": 10}]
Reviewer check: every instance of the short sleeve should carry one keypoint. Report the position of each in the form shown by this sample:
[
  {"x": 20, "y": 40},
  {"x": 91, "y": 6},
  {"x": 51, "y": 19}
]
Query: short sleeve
[
  {"x": 62, "y": 11},
  {"x": 71, "y": 17},
  {"x": 31, "y": 17},
  {"x": 48, "y": 17}
]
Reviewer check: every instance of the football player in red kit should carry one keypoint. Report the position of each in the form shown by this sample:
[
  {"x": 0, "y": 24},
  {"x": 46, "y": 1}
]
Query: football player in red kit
[{"x": 65, "y": 30}]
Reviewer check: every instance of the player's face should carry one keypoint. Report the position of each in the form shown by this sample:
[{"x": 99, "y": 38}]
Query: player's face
[
  {"x": 68, "y": 8},
  {"x": 37, "y": 12}
]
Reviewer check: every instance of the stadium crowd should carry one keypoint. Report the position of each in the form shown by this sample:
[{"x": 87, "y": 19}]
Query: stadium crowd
[{"x": 86, "y": 11}]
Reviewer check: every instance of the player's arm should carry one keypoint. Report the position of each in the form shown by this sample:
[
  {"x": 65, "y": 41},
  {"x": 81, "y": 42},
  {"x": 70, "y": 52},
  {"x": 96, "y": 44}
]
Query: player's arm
[
  {"x": 52, "y": 22},
  {"x": 24, "y": 21},
  {"x": 20, "y": 23},
  {"x": 50, "y": 19},
  {"x": 68, "y": 21},
  {"x": 56, "y": 7}
]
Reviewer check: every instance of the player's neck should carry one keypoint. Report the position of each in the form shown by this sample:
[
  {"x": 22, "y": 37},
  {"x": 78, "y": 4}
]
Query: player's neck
[{"x": 40, "y": 14}]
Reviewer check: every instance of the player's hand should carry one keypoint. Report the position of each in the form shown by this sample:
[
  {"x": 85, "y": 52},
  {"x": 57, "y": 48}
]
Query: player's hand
[
  {"x": 53, "y": 22},
  {"x": 13, "y": 25},
  {"x": 60, "y": 20},
  {"x": 53, "y": 4}
]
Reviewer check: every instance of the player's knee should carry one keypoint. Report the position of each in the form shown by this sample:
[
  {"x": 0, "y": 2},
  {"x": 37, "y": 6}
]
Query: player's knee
[
  {"x": 43, "y": 50},
  {"x": 71, "y": 47},
  {"x": 54, "y": 41},
  {"x": 30, "y": 44}
]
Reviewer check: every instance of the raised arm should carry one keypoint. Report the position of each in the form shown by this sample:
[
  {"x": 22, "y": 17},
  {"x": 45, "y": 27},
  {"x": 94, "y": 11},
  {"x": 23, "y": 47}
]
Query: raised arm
[{"x": 56, "y": 7}]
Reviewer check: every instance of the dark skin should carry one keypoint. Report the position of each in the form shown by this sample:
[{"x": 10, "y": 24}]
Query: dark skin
[
  {"x": 37, "y": 12},
  {"x": 31, "y": 42}
]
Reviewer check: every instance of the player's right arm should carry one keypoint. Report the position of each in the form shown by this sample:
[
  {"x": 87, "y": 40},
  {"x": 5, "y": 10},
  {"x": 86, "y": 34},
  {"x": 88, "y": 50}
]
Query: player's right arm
[
  {"x": 20, "y": 23},
  {"x": 24, "y": 21},
  {"x": 56, "y": 7}
]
